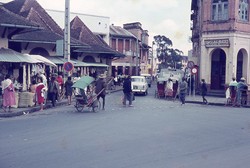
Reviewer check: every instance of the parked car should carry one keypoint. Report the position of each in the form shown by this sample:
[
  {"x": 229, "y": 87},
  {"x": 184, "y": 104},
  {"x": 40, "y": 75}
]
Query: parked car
[
  {"x": 139, "y": 85},
  {"x": 148, "y": 79}
]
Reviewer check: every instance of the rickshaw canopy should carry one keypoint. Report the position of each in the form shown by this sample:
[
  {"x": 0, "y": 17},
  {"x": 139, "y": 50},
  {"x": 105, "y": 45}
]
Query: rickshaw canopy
[{"x": 83, "y": 82}]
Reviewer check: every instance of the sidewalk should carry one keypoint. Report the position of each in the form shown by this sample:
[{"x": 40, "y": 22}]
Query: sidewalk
[
  {"x": 197, "y": 99},
  {"x": 23, "y": 111}
]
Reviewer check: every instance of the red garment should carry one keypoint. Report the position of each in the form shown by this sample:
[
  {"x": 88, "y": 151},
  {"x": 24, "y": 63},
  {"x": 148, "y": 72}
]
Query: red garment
[
  {"x": 39, "y": 93},
  {"x": 9, "y": 96},
  {"x": 59, "y": 79}
]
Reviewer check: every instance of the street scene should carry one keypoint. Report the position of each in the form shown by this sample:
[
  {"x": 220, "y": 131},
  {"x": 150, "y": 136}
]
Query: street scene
[
  {"x": 124, "y": 84},
  {"x": 153, "y": 133}
]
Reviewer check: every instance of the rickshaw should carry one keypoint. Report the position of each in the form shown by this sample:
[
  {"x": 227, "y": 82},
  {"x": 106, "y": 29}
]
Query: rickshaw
[
  {"x": 160, "y": 90},
  {"x": 86, "y": 100},
  {"x": 163, "y": 92}
]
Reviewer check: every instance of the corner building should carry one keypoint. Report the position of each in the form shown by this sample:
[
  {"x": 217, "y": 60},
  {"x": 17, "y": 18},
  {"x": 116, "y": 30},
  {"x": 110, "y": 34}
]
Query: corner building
[{"x": 221, "y": 40}]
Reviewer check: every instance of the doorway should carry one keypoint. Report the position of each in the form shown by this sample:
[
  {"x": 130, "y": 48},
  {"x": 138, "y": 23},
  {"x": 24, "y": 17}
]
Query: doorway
[{"x": 218, "y": 69}]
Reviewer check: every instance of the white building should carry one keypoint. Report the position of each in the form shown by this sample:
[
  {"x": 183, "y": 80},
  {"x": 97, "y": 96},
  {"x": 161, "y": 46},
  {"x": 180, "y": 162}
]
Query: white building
[{"x": 97, "y": 24}]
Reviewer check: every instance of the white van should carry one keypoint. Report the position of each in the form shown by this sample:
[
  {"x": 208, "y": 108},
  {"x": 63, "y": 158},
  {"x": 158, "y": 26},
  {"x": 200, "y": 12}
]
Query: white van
[{"x": 139, "y": 85}]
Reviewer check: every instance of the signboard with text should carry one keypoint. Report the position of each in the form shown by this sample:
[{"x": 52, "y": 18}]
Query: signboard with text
[{"x": 217, "y": 43}]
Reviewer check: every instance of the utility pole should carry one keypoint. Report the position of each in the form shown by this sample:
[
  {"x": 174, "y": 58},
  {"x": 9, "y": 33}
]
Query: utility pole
[{"x": 67, "y": 31}]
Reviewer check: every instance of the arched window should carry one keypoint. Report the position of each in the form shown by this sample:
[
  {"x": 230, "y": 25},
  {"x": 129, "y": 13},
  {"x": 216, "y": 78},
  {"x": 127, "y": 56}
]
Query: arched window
[
  {"x": 243, "y": 10},
  {"x": 89, "y": 59},
  {"x": 39, "y": 51},
  {"x": 219, "y": 10}
]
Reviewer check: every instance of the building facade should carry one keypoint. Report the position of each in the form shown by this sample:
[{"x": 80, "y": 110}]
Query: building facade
[
  {"x": 97, "y": 24},
  {"x": 221, "y": 40},
  {"x": 132, "y": 41}
]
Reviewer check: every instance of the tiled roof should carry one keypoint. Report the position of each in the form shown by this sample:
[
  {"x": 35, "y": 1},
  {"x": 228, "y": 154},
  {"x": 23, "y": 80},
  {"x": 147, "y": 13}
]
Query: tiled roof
[
  {"x": 42, "y": 36},
  {"x": 37, "y": 36},
  {"x": 7, "y": 18},
  {"x": 33, "y": 11},
  {"x": 121, "y": 32},
  {"x": 81, "y": 32}
]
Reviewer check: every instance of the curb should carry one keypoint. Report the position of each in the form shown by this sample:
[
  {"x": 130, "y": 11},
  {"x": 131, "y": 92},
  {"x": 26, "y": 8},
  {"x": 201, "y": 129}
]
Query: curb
[
  {"x": 28, "y": 110},
  {"x": 216, "y": 104},
  {"x": 24, "y": 111}
]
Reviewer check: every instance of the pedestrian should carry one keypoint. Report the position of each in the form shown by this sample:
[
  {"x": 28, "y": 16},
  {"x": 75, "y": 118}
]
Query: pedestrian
[
  {"x": 45, "y": 83},
  {"x": 40, "y": 90},
  {"x": 127, "y": 91},
  {"x": 100, "y": 89},
  {"x": 203, "y": 91},
  {"x": 68, "y": 89},
  {"x": 233, "y": 90},
  {"x": 183, "y": 90},
  {"x": 8, "y": 92},
  {"x": 53, "y": 90},
  {"x": 59, "y": 79},
  {"x": 241, "y": 86},
  {"x": 169, "y": 88}
]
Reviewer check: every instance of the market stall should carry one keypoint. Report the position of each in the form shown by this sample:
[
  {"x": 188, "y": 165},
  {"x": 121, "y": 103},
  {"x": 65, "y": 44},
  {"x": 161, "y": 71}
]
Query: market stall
[{"x": 21, "y": 67}]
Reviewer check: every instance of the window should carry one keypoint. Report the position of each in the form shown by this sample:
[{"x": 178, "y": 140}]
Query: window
[
  {"x": 243, "y": 10},
  {"x": 219, "y": 10}
]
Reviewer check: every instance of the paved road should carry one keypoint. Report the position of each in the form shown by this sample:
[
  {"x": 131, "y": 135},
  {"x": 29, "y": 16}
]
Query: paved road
[{"x": 153, "y": 134}]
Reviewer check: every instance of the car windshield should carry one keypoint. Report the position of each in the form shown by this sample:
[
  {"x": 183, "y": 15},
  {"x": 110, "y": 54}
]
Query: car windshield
[{"x": 137, "y": 80}]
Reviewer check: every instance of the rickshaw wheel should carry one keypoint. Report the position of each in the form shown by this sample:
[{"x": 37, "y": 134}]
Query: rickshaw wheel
[
  {"x": 96, "y": 106},
  {"x": 79, "y": 106}
]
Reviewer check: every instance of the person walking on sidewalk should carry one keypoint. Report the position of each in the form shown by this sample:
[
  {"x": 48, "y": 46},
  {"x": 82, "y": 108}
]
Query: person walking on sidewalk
[
  {"x": 68, "y": 89},
  {"x": 183, "y": 90},
  {"x": 8, "y": 93},
  {"x": 203, "y": 91},
  {"x": 100, "y": 89},
  {"x": 53, "y": 90},
  {"x": 127, "y": 91}
]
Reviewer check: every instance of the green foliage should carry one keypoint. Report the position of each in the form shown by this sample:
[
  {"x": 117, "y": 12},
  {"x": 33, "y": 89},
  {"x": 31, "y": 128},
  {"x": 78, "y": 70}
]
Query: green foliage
[{"x": 168, "y": 56}]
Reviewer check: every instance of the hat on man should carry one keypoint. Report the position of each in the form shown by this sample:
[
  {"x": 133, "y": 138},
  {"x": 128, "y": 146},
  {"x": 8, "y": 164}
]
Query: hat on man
[{"x": 242, "y": 79}]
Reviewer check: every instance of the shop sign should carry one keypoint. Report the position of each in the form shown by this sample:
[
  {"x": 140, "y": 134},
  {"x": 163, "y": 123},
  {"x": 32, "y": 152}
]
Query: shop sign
[{"x": 217, "y": 43}]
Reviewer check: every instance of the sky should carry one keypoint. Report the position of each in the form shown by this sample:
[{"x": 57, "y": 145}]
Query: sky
[{"x": 170, "y": 18}]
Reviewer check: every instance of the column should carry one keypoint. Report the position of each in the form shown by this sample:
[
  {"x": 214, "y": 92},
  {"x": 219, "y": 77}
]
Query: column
[
  {"x": 28, "y": 84},
  {"x": 24, "y": 88}
]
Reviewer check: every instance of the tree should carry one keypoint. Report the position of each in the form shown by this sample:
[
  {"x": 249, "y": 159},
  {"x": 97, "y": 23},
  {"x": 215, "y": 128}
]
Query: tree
[{"x": 168, "y": 56}]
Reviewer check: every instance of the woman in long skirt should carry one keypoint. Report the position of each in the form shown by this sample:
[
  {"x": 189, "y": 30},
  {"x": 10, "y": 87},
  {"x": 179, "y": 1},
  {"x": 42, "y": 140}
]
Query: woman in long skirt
[
  {"x": 40, "y": 88},
  {"x": 8, "y": 93}
]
